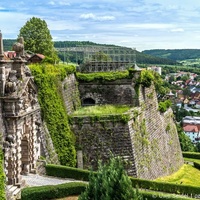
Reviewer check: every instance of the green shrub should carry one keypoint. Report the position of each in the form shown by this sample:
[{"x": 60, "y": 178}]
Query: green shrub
[
  {"x": 2, "y": 178},
  {"x": 151, "y": 195},
  {"x": 67, "y": 172},
  {"x": 52, "y": 191},
  {"x": 196, "y": 165},
  {"x": 166, "y": 187},
  {"x": 109, "y": 183},
  {"x": 191, "y": 155},
  {"x": 164, "y": 105},
  {"x": 48, "y": 80},
  {"x": 146, "y": 78},
  {"x": 102, "y": 76}
]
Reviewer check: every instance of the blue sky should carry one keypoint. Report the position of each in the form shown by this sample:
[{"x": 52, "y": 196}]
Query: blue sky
[{"x": 140, "y": 24}]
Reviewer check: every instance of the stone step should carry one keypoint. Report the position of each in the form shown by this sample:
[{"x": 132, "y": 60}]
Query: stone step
[
  {"x": 14, "y": 192},
  {"x": 9, "y": 186},
  {"x": 17, "y": 191},
  {"x": 12, "y": 189}
]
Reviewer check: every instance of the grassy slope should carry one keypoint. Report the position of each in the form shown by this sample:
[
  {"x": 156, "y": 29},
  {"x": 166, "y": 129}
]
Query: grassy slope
[
  {"x": 187, "y": 175},
  {"x": 101, "y": 110}
]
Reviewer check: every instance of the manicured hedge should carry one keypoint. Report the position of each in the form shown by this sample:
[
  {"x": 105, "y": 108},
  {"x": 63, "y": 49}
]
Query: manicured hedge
[
  {"x": 52, "y": 191},
  {"x": 166, "y": 187},
  {"x": 191, "y": 155},
  {"x": 151, "y": 195},
  {"x": 67, "y": 172},
  {"x": 196, "y": 165}
]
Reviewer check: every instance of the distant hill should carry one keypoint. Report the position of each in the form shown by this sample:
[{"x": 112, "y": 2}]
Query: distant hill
[
  {"x": 7, "y": 44},
  {"x": 174, "y": 54},
  {"x": 141, "y": 57}
]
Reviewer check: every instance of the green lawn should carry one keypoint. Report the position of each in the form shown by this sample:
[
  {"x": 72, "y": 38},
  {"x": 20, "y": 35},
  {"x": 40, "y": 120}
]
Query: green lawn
[
  {"x": 187, "y": 175},
  {"x": 192, "y": 160},
  {"x": 101, "y": 110}
]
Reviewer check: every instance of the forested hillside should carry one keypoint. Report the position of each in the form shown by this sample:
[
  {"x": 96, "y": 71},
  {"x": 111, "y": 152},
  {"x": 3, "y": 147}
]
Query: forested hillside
[
  {"x": 141, "y": 58},
  {"x": 7, "y": 44},
  {"x": 174, "y": 54}
]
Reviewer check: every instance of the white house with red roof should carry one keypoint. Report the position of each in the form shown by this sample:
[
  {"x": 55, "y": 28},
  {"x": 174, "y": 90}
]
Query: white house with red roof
[{"x": 191, "y": 127}]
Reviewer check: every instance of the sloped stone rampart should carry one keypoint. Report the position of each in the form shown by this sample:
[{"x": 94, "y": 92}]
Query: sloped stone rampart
[
  {"x": 154, "y": 137},
  {"x": 70, "y": 93},
  {"x": 148, "y": 142},
  {"x": 99, "y": 139}
]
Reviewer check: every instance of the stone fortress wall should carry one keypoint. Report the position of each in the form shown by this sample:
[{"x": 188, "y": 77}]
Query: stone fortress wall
[{"x": 148, "y": 141}]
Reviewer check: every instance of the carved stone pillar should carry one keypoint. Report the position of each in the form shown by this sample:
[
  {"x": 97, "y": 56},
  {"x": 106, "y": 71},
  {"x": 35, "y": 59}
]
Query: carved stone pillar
[{"x": 2, "y": 80}]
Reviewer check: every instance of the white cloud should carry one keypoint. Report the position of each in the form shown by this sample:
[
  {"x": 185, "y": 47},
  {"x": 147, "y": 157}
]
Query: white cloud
[
  {"x": 148, "y": 26},
  {"x": 97, "y": 18},
  {"x": 177, "y": 30},
  {"x": 60, "y": 25},
  {"x": 52, "y": 3},
  {"x": 62, "y": 3},
  {"x": 14, "y": 21},
  {"x": 88, "y": 16}
]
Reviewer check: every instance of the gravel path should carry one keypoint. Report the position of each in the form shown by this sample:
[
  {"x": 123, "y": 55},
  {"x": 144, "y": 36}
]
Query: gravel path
[{"x": 37, "y": 180}]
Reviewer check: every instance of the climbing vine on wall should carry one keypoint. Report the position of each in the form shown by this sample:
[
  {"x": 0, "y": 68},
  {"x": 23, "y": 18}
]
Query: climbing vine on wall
[
  {"x": 48, "y": 80},
  {"x": 2, "y": 177}
]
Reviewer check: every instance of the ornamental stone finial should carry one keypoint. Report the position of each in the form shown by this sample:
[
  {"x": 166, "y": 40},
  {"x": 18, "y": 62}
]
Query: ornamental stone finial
[
  {"x": 1, "y": 46},
  {"x": 18, "y": 47}
]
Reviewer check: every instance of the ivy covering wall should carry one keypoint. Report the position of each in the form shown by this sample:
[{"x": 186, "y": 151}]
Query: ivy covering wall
[
  {"x": 2, "y": 177},
  {"x": 48, "y": 80}
]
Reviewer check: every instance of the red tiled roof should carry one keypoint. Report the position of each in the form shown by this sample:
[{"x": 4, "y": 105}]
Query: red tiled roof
[
  {"x": 9, "y": 54},
  {"x": 191, "y": 128},
  {"x": 40, "y": 55}
]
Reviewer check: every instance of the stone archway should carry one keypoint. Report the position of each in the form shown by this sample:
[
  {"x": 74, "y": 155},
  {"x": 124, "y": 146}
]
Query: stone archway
[{"x": 88, "y": 102}]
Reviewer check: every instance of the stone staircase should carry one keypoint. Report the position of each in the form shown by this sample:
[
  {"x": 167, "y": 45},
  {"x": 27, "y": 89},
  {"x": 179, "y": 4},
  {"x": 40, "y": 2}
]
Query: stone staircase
[{"x": 13, "y": 192}]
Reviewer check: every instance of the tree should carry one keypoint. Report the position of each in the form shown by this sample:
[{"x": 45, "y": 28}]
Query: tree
[
  {"x": 186, "y": 92},
  {"x": 37, "y": 38},
  {"x": 171, "y": 79},
  {"x": 185, "y": 142},
  {"x": 160, "y": 85},
  {"x": 185, "y": 77},
  {"x": 110, "y": 183},
  {"x": 198, "y": 146}
]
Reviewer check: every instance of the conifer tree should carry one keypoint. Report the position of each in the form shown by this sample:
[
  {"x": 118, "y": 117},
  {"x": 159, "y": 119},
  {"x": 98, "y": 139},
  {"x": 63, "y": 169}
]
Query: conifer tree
[{"x": 111, "y": 182}]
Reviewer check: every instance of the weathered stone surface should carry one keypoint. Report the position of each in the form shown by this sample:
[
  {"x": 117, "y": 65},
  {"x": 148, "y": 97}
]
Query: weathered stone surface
[
  {"x": 148, "y": 142},
  {"x": 109, "y": 92},
  {"x": 70, "y": 93},
  {"x": 21, "y": 127}
]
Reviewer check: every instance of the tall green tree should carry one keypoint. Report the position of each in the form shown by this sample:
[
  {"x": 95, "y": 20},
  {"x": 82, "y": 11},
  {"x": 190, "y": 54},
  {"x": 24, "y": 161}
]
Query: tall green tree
[
  {"x": 110, "y": 183},
  {"x": 185, "y": 142},
  {"x": 37, "y": 37}
]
